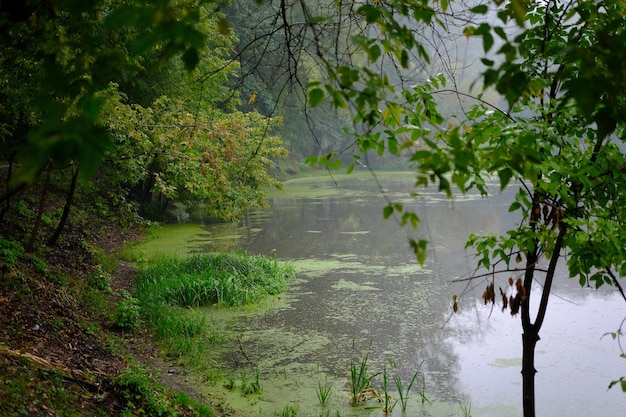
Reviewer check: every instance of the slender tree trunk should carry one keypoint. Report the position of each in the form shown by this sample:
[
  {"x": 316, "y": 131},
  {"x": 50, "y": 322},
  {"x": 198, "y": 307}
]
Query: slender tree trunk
[
  {"x": 42, "y": 205},
  {"x": 530, "y": 337},
  {"x": 66, "y": 210}
]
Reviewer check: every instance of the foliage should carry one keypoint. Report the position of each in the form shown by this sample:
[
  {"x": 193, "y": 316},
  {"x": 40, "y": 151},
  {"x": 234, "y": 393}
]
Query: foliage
[
  {"x": 78, "y": 50},
  {"x": 133, "y": 96},
  {"x": 100, "y": 279},
  {"x": 145, "y": 395}
]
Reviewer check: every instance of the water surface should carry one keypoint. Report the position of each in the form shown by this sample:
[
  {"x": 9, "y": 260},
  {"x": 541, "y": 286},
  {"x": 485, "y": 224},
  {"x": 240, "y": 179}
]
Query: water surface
[{"x": 359, "y": 290}]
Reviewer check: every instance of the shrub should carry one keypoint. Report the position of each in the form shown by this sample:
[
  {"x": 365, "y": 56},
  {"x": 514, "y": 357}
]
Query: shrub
[{"x": 127, "y": 315}]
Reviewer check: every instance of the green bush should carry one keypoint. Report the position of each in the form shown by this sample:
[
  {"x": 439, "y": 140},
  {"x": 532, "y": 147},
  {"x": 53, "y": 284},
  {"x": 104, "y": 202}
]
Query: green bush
[{"x": 127, "y": 315}]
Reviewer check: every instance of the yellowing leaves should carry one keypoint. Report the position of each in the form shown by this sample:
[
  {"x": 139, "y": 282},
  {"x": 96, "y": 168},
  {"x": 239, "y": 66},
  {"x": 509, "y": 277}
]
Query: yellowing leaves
[{"x": 392, "y": 115}]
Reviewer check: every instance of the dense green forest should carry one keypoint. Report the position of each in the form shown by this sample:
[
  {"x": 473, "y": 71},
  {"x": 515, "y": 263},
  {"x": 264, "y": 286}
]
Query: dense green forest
[{"x": 117, "y": 111}]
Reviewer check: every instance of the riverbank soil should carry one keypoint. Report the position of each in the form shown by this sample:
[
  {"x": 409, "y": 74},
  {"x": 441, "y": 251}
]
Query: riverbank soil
[{"x": 60, "y": 352}]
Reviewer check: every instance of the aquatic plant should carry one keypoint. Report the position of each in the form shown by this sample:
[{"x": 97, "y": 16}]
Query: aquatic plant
[
  {"x": 466, "y": 409},
  {"x": 230, "y": 383},
  {"x": 389, "y": 404},
  {"x": 360, "y": 382},
  {"x": 251, "y": 387},
  {"x": 403, "y": 393},
  {"x": 182, "y": 329},
  {"x": 288, "y": 411},
  {"x": 324, "y": 391}
]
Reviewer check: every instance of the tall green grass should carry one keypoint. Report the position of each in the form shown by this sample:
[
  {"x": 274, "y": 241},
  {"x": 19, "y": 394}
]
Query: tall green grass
[
  {"x": 169, "y": 288},
  {"x": 227, "y": 279}
]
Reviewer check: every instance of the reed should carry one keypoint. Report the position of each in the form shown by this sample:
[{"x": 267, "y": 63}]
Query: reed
[
  {"x": 403, "y": 393},
  {"x": 288, "y": 411},
  {"x": 360, "y": 381},
  {"x": 250, "y": 387},
  {"x": 466, "y": 409},
  {"x": 422, "y": 392},
  {"x": 388, "y": 401},
  {"x": 324, "y": 391}
]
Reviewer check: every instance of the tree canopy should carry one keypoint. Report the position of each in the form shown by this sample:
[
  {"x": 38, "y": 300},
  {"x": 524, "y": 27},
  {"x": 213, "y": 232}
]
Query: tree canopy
[{"x": 133, "y": 99}]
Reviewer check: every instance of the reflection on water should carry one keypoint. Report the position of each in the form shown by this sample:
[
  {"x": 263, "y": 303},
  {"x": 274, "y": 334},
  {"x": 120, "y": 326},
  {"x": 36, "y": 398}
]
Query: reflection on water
[{"x": 358, "y": 283}]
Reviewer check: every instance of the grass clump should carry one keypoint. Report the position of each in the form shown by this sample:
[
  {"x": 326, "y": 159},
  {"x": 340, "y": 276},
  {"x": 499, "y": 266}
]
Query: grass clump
[
  {"x": 170, "y": 288},
  {"x": 360, "y": 382},
  {"x": 227, "y": 279}
]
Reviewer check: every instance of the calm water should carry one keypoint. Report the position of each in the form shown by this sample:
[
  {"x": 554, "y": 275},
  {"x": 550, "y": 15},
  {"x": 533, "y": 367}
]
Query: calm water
[{"x": 359, "y": 290}]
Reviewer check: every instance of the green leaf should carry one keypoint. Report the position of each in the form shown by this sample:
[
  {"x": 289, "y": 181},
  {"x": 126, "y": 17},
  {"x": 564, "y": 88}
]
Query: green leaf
[
  {"x": 387, "y": 211},
  {"x": 316, "y": 19},
  {"x": 404, "y": 58},
  {"x": 419, "y": 248},
  {"x": 487, "y": 41},
  {"x": 519, "y": 11},
  {"x": 311, "y": 160},
  {"x": 392, "y": 145},
  {"x": 191, "y": 58},
  {"x": 505, "y": 175},
  {"x": 316, "y": 96},
  {"x": 374, "y": 52},
  {"x": 480, "y": 9}
]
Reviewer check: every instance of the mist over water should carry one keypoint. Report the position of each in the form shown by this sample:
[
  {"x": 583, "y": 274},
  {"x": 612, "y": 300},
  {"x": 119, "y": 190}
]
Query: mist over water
[{"x": 359, "y": 289}]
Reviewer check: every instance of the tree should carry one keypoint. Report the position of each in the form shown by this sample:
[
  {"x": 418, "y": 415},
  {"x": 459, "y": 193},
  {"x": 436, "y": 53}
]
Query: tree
[
  {"x": 559, "y": 133},
  {"x": 59, "y": 62},
  {"x": 89, "y": 89}
]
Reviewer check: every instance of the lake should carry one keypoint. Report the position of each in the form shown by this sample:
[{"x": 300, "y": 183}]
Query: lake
[{"x": 360, "y": 295}]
